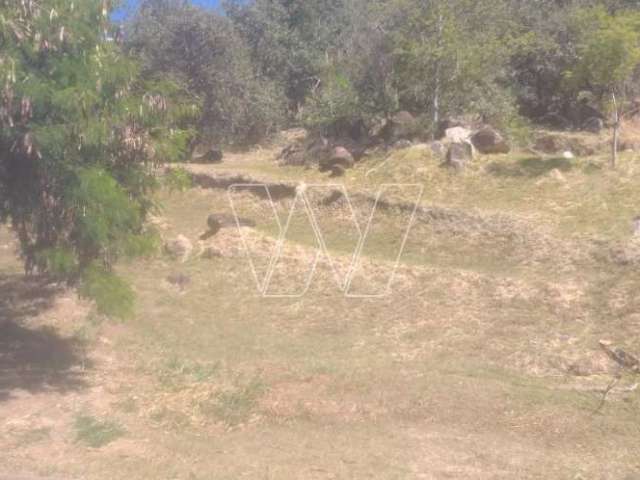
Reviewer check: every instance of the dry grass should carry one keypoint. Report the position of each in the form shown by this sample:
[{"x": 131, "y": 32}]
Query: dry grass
[{"x": 483, "y": 363}]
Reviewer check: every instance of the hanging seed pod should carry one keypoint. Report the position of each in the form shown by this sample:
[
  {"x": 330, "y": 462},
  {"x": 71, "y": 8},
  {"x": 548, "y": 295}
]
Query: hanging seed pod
[
  {"x": 53, "y": 14},
  {"x": 25, "y": 145},
  {"x": 61, "y": 35}
]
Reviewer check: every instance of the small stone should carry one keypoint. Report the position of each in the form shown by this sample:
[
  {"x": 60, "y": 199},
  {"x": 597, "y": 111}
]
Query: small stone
[
  {"x": 636, "y": 226},
  {"x": 179, "y": 280},
  {"x": 180, "y": 248},
  {"x": 214, "y": 224},
  {"x": 211, "y": 253}
]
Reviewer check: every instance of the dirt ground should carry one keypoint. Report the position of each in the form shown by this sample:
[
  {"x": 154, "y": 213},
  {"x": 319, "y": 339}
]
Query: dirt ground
[{"x": 483, "y": 361}]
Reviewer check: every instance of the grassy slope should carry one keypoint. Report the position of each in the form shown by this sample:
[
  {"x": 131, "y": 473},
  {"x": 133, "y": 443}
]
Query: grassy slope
[{"x": 464, "y": 372}]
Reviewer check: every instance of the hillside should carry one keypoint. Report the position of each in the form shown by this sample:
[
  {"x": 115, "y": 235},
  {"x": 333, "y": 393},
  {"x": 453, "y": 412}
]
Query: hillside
[{"x": 484, "y": 361}]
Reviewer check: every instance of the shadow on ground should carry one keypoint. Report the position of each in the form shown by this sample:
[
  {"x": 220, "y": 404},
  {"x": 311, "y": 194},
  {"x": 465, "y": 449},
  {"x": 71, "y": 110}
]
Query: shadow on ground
[
  {"x": 529, "y": 167},
  {"x": 33, "y": 358}
]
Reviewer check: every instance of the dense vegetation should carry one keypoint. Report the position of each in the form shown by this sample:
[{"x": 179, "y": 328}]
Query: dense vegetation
[{"x": 329, "y": 63}]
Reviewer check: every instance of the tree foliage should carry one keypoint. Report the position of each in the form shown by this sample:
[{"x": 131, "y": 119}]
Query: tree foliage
[
  {"x": 79, "y": 134},
  {"x": 332, "y": 62},
  {"x": 204, "y": 52},
  {"x": 608, "y": 49}
]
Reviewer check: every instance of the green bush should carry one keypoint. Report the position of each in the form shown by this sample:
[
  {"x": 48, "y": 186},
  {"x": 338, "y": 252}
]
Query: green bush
[
  {"x": 80, "y": 130},
  {"x": 178, "y": 179}
]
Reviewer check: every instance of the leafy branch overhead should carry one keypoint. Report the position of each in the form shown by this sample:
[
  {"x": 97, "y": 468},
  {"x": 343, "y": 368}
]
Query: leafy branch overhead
[{"x": 80, "y": 133}]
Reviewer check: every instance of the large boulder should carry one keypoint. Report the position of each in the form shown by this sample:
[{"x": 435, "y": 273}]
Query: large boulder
[
  {"x": 459, "y": 154},
  {"x": 316, "y": 150},
  {"x": 305, "y": 152},
  {"x": 376, "y": 127},
  {"x": 550, "y": 144},
  {"x": 207, "y": 155},
  {"x": 457, "y": 134},
  {"x": 402, "y": 144},
  {"x": 488, "y": 141},
  {"x": 292, "y": 155},
  {"x": 580, "y": 112},
  {"x": 401, "y": 126},
  {"x": 468, "y": 122},
  {"x": 340, "y": 157},
  {"x": 593, "y": 125},
  {"x": 213, "y": 155}
]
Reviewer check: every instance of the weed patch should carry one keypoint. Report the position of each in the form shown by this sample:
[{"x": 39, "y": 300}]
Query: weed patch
[{"x": 95, "y": 432}]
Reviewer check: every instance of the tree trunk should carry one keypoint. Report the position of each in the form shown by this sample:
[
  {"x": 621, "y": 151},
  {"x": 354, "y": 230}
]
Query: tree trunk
[
  {"x": 616, "y": 132},
  {"x": 436, "y": 92}
]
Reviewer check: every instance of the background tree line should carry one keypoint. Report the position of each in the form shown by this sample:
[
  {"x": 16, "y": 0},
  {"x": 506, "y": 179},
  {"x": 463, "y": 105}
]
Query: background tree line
[{"x": 264, "y": 64}]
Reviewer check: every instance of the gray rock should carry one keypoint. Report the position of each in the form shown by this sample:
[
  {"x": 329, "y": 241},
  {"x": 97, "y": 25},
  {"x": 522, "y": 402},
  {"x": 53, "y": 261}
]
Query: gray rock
[
  {"x": 292, "y": 155},
  {"x": 459, "y": 154},
  {"x": 339, "y": 157},
  {"x": 402, "y": 144},
  {"x": 468, "y": 122},
  {"x": 593, "y": 125},
  {"x": 400, "y": 126},
  {"x": 179, "y": 280},
  {"x": 457, "y": 134},
  {"x": 376, "y": 127},
  {"x": 212, "y": 155},
  {"x": 438, "y": 148},
  {"x": 214, "y": 223},
  {"x": 180, "y": 248},
  {"x": 337, "y": 171}
]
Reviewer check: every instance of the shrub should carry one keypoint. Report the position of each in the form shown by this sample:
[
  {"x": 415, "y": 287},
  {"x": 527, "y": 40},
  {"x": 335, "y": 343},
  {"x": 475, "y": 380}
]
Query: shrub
[{"x": 178, "y": 179}]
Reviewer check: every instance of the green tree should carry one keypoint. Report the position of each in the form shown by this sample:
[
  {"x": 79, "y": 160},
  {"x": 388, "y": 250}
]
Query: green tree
[
  {"x": 356, "y": 79},
  {"x": 290, "y": 40},
  {"x": 202, "y": 51},
  {"x": 453, "y": 57},
  {"x": 608, "y": 54},
  {"x": 79, "y": 135}
]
